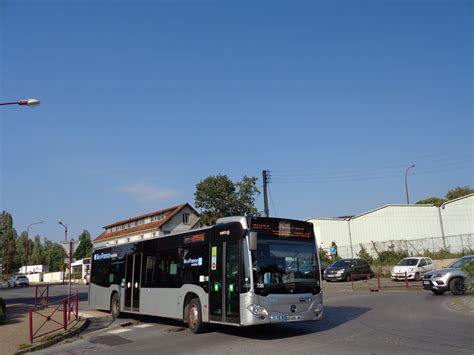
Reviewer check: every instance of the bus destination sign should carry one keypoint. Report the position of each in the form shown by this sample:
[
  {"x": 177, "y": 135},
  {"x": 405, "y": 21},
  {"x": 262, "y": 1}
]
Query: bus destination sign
[
  {"x": 193, "y": 238},
  {"x": 282, "y": 228}
]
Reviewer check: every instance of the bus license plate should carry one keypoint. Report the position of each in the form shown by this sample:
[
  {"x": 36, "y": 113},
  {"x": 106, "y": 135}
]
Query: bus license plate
[{"x": 293, "y": 318}]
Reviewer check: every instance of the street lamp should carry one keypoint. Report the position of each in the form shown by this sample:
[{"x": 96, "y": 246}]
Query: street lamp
[
  {"x": 406, "y": 182},
  {"x": 28, "y": 102},
  {"x": 69, "y": 245},
  {"x": 65, "y": 230},
  {"x": 27, "y": 246}
]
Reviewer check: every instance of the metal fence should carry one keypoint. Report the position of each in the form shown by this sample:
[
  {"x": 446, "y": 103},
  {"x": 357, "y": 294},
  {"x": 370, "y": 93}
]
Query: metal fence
[{"x": 453, "y": 244}]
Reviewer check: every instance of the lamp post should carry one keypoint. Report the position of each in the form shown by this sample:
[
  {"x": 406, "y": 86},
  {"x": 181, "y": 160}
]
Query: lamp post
[
  {"x": 28, "y": 102},
  {"x": 65, "y": 230},
  {"x": 70, "y": 267},
  {"x": 27, "y": 246},
  {"x": 406, "y": 182}
]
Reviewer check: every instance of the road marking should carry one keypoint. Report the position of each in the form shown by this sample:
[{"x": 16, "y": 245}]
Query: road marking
[
  {"x": 143, "y": 325},
  {"x": 117, "y": 331}
]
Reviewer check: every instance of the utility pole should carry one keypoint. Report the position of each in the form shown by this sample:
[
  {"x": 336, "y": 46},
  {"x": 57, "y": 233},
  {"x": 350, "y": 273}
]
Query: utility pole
[{"x": 266, "y": 180}]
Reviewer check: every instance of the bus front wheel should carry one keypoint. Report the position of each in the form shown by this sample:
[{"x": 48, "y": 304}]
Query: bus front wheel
[
  {"x": 115, "y": 306},
  {"x": 194, "y": 316}
]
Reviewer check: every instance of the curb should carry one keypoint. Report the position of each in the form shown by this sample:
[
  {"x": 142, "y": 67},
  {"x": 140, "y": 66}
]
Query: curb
[{"x": 56, "y": 339}]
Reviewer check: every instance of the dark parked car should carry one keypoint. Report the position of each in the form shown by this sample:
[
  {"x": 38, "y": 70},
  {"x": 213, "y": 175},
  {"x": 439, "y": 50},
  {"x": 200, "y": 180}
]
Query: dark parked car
[{"x": 344, "y": 269}]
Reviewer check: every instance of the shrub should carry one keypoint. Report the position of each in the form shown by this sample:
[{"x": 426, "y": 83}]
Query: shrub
[
  {"x": 469, "y": 268},
  {"x": 363, "y": 254},
  {"x": 76, "y": 275},
  {"x": 391, "y": 256},
  {"x": 323, "y": 256}
]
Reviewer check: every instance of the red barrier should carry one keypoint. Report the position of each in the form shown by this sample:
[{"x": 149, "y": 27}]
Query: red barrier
[
  {"x": 365, "y": 281},
  {"x": 42, "y": 299},
  {"x": 50, "y": 315}
]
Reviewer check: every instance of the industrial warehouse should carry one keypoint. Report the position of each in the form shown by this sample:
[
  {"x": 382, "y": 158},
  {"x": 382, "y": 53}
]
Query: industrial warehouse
[{"x": 414, "y": 228}]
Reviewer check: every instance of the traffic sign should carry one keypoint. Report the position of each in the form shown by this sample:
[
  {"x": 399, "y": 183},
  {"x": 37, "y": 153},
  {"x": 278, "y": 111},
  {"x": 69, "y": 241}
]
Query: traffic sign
[
  {"x": 74, "y": 245},
  {"x": 332, "y": 250}
]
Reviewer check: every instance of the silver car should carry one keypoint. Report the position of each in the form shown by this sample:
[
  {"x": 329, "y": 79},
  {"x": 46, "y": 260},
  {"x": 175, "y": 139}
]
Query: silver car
[
  {"x": 18, "y": 280},
  {"x": 448, "y": 279}
]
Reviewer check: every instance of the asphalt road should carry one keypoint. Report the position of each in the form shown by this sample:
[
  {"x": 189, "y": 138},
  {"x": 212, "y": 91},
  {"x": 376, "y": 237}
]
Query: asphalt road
[{"x": 389, "y": 322}]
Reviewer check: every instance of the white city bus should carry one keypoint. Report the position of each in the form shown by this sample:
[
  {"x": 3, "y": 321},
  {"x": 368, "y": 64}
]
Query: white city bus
[{"x": 242, "y": 271}]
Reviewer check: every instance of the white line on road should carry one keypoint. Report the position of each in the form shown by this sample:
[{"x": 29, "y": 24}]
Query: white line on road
[
  {"x": 143, "y": 325},
  {"x": 117, "y": 331}
]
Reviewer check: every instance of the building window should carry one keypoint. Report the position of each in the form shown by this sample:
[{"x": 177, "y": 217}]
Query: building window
[{"x": 185, "y": 218}]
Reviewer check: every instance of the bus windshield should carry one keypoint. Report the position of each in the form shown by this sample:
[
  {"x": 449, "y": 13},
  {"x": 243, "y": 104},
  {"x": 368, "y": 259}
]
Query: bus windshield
[{"x": 285, "y": 266}]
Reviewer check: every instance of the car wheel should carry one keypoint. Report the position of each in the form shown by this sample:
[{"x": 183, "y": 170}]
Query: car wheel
[
  {"x": 456, "y": 286},
  {"x": 438, "y": 292},
  {"x": 417, "y": 276},
  {"x": 115, "y": 306},
  {"x": 194, "y": 316}
]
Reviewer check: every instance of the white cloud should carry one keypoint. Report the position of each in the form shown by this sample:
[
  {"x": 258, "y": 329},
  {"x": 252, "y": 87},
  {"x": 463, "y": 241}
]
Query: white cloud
[{"x": 148, "y": 193}]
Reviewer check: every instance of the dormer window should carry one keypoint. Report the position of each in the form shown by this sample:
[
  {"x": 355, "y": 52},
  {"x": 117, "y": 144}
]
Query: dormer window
[{"x": 185, "y": 218}]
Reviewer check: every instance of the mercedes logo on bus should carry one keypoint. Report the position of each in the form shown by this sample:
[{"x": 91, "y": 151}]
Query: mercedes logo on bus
[{"x": 293, "y": 308}]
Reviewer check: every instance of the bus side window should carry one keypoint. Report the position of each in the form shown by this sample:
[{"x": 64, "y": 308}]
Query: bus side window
[
  {"x": 167, "y": 275},
  {"x": 149, "y": 271}
]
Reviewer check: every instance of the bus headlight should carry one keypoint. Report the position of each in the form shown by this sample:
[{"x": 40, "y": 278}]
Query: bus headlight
[{"x": 257, "y": 309}]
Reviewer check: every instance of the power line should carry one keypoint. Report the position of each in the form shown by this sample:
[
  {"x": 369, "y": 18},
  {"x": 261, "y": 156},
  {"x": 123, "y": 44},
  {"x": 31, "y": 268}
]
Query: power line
[{"x": 271, "y": 199}]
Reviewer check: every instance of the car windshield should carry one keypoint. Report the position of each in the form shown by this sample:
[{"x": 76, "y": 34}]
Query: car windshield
[
  {"x": 408, "y": 262},
  {"x": 341, "y": 263},
  {"x": 460, "y": 262}
]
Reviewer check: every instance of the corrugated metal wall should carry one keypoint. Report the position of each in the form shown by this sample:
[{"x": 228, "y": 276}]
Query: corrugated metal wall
[{"x": 397, "y": 223}]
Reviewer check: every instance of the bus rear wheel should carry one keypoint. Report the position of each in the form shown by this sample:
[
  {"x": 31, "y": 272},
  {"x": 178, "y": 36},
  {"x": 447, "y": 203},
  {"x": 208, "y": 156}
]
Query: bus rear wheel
[
  {"x": 194, "y": 316},
  {"x": 115, "y": 306}
]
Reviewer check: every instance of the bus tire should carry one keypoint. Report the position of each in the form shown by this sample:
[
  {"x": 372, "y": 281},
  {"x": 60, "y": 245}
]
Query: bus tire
[
  {"x": 115, "y": 305},
  {"x": 194, "y": 316}
]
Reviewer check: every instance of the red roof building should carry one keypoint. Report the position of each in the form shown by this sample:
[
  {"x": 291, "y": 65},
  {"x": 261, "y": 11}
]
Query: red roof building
[{"x": 166, "y": 221}]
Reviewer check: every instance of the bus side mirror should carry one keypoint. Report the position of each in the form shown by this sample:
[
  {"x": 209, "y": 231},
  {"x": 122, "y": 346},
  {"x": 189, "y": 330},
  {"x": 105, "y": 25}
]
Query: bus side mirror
[{"x": 253, "y": 241}]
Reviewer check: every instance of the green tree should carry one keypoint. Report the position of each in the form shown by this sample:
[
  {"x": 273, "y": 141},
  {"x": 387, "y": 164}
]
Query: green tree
[
  {"x": 431, "y": 201},
  {"x": 8, "y": 237},
  {"x": 20, "y": 249},
  {"x": 219, "y": 197},
  {"x": 53, "y": 255},
  {"x": 459, "y": 192},
  {"x": 37, "y": 252},
  {"x": 84, "y": 250},
  {"x": 47, "y": 250}
]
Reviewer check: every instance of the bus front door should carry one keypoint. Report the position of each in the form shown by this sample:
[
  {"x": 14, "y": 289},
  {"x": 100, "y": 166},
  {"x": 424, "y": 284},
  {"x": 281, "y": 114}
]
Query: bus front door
[
  {"x": 224, "y": 283},
  {"x": 133, "y": 282}
]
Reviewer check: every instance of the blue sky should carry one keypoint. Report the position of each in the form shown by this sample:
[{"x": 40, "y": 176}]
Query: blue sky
[{"x": 141, "y": 100}]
